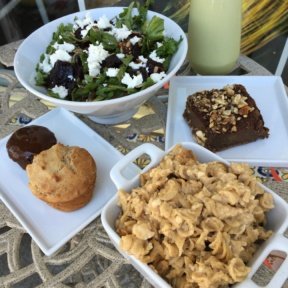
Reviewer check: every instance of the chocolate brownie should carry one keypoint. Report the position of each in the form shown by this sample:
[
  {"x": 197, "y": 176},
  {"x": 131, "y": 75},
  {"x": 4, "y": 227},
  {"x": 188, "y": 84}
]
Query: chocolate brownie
[{"x": 222, "y": 118}]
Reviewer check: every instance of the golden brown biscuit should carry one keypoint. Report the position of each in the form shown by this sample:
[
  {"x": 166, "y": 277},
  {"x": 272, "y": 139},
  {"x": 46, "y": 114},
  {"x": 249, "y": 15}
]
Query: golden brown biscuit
[
  {"x": 63, "y": 176},
  {"x": 74, "y": 204}
]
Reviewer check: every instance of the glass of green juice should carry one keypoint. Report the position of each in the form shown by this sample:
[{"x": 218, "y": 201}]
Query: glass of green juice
[{"x": 214, "y": 34}]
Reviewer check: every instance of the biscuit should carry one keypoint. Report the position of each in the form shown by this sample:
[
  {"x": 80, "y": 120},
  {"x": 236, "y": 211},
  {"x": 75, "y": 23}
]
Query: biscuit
[
  {"x": 63, "y": 176},
  {"x": 74, "y": 204}
]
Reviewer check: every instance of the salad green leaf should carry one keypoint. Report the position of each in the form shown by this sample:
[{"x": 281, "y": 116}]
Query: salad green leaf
[
  {"x": 125, "y": 18},
  {"x": 65, "y": 33},
  {"x": 169, "y": 47},
  {"x": 108, "y": 41},
  {"x": 139, "y": 20},
  {"x": 153, "y": 31},
  {"x": 40, "y": 77}
]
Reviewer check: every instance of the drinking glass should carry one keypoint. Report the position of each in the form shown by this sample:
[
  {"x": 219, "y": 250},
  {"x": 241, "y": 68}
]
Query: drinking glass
[{"x": 214, "y": 35}]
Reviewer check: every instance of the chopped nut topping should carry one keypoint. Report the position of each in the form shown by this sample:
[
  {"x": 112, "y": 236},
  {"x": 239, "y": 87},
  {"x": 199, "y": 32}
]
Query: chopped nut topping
[
  {"x": 200, "y": 136},
  {"x": 234, "y": 129},
  {"x": 244, "y": 110},
  {"x": 229, "y": 90},
  {"x": 227, "y": 112},
  {"x": 222, "y": 108}
]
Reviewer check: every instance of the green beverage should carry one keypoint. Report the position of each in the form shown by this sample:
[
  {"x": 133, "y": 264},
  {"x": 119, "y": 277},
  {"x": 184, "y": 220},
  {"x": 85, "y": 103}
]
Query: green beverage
[{"x": 214, "y": 34}]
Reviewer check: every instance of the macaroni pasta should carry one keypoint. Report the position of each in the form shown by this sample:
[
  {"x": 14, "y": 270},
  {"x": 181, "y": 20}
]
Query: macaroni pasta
[{"x": 196, "y": 224}]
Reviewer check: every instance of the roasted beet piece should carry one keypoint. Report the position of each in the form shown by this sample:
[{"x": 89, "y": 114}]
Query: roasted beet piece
[
  {"x": 154, "y": 67},
  {"x": 78, "y": 68},
  {"x": 82, "y": 44},
  {"x": 136, "y": 48},
  {"x": 62, "y": 74},
  {"x": 136, "y": 51},
  {"x": 144, "y": 73},
  {"x": 112, "y": 61},
  {"x": 77, "y": 33}
]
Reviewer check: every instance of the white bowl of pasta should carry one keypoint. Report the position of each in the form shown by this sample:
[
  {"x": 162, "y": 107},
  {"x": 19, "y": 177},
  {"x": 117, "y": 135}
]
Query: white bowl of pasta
[{"x": 187, "y": 208}]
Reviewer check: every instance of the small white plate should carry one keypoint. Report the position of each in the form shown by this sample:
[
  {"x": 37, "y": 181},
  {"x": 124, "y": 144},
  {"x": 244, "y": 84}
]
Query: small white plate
[
  {"x": 49, "y": 227},
  {"x": 270, "y": 96}
]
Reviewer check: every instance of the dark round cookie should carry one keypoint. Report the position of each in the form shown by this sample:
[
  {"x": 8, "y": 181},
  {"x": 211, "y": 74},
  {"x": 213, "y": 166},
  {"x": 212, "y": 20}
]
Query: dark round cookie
[{"x": 29, "y": 141}]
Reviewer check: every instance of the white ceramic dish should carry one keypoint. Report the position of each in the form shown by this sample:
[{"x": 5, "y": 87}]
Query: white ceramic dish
[
  {"x": 49, "y": 227},
  {"x": 108, "y": 111},
  {"x": 271, "y": 99},
  {"x": 277, "y": 217}
]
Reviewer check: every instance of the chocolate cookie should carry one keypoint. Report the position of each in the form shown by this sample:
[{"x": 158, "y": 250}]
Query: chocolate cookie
[{"x": 29, "y": 141}]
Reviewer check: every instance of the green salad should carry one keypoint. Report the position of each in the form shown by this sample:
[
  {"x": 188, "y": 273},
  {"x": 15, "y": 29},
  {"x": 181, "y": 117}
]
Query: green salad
[{"x": 101, "y": 59}]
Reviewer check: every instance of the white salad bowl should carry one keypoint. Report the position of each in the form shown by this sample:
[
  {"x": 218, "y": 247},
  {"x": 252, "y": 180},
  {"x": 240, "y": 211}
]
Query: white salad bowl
[
  {"x": 107, "y": 111},
  {"x": 126, "y": 175}
]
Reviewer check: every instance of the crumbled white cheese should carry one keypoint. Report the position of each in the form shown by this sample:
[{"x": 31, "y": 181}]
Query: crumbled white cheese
[
  {"x": 103, "y": 22},
  {"x": 104, "y": 85},
  {"x": 142, "y": 63},
  {"x": 45, "y": 66},
  {"x": 159, "y": 44},
  {"x": 120, "y": 55},
  {"x": 135, "y": 40},
  {"x": 84, "y": 22},
  {"x": 142, "y": 59},
  {"x": 96, "y": 54},
  {"x": 85, "y": 31},
  {"x": 156, "y": 77},
  {"x": 70, "y": 77},
  {"x": 154, "y": 57},
  {"x": 136, "y": 66},
  {"x": 132, "y": 82},
  {"x": 59, "y": 55},
  {"x": 61, "y": 91},
  {"x": 65, "y": 46},
  {"x": 120, "y": 33},
  {"x": 112, "y": 72}
]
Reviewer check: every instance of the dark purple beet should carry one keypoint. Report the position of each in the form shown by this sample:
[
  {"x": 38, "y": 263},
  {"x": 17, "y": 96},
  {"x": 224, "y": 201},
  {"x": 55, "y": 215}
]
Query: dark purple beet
[
  {"x": 82, "y": 44},
  {"x": 62, "y": 74},
  {"x": 144, "y": 73},
  {"x": 136, "y": 51},
  {"x": 77, "y": 33},
  {"x": 112, "y": 61},
  {"x": 154, "y": 67},
  {"x": 78, "y": 68}
]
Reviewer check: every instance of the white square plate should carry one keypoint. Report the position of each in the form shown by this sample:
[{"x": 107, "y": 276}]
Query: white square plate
[
  {"x": 51, "y": 228},
  {"x": 270, "y": 96}
]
